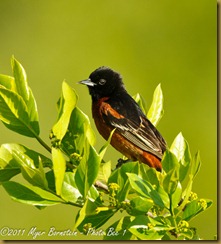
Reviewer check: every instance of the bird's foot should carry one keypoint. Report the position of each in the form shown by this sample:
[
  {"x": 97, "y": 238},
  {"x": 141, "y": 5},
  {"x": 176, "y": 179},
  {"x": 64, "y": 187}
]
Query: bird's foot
[{"x": 121, "y": 161}]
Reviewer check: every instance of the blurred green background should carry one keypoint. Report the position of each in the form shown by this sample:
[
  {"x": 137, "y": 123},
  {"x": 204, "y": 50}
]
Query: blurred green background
[{"x": 149, "y": 42}]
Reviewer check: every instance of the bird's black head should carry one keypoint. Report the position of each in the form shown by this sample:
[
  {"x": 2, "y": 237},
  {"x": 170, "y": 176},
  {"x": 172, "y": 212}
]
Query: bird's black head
[{"x": 103, "y": 82}]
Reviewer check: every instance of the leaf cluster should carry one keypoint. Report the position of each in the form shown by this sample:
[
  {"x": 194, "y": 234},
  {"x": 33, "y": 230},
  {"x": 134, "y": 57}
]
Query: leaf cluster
[{"x": 155, "y": 205}]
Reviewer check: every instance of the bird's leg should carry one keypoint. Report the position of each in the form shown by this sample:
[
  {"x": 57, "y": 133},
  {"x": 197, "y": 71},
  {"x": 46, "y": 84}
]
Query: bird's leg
[{"x": 121, "y": 161}]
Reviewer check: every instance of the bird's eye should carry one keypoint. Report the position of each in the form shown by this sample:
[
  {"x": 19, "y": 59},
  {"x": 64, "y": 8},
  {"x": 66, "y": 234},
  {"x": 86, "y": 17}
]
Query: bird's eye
[{"x": 102, "y": 82}]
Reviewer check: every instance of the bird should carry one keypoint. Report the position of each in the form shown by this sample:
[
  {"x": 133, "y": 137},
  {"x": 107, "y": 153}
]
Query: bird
[{"x": 114, "y": 109}]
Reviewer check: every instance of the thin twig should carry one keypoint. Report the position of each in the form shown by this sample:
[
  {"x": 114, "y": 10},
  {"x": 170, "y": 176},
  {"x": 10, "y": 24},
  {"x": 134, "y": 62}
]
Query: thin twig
[{"x": 102, "y": 186}]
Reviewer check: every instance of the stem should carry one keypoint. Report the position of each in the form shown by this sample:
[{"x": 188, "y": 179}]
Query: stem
[
  {"x": 185, "y": 200},
  {"x": 172, "y": 214},
  {"x": 42, "y": 143},
  {"x": 74, "y": 204},
  {"x": 102, "y": 186}
]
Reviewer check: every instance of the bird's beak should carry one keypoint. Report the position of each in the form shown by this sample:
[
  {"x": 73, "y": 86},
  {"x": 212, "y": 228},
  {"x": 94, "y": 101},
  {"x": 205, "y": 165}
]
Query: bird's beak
[{"x": 87, "y": 82}]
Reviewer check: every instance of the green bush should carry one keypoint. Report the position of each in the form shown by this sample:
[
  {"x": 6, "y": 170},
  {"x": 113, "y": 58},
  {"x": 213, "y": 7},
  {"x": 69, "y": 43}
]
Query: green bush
[{"x": 155, "y": 205}]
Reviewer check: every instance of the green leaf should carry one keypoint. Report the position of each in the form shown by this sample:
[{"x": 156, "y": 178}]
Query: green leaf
[
  {"x": 170, "y": 181},
  {"x": 14, "y": 156},
  {"x": 70, "y": 193},
  {"x": 30, "y": 194},
  {"x": 131, "y": 167},
  {"x": 163, "y": 195},
  {"x": 8, "y": 82},
  {"x": 34, "y": 157},
  {"x": 79, "y": 130},
  {"x": 51, "y": 180},
  {"x": 140, "y": 205},
  {"x": 66, "y": 105},
  {"x": 17, "y": 104},
  {"x": 90, "y": 214},
  {"x": 169, "y": 161},
  {"x": 139, "y": 185},
  {"x": 120, "y": 177},
  {"x": 186, "y": 235},
  {"x": 160, "y": 223},
  {"x": 195, "y": 165},
  {"x": 144, "y": 188},
  {"x": 180, "y": 149},
  {"x": 195, "y": 207},
  {"x": 9, "y": 171},
  {"x": 87, "y": 170},
  {"x": 144, "y": 233},
  {"x": 59, "y": 167},
  {"x": 14, "y": 114},
  {"x": 22, "y": 88},
  {"x": 194, "y": 169},
  {"x": 9, "y": 167},
  {"x": 104, "y": 148},
  {"x": 178, "y": 146},
  {"x": 119, "y": 230},
  {"x": 33, "y": 112},
  {"x": 20, "y": 80},
  {"x": 93, "y": 193},
  {"x": 149, "y": 174},
  {"x": 155, "y": 112},
  {"x": 177, "y": 195},
  {"x": 143, "y": 229},
  {"x": 35, "y": 176},
  {"x": 155, "y": 178},
  {"x": 141, "y": 102},
  {"x": 104, "y": 172}
]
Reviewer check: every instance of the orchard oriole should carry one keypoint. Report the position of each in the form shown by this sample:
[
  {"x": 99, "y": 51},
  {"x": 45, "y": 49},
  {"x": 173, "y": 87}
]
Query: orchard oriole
[{"x": 113, "y": 108}]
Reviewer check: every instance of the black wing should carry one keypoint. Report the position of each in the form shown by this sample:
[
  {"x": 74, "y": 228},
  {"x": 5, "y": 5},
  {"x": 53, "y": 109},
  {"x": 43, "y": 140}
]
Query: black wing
[{"x": 134, "y": 126}]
